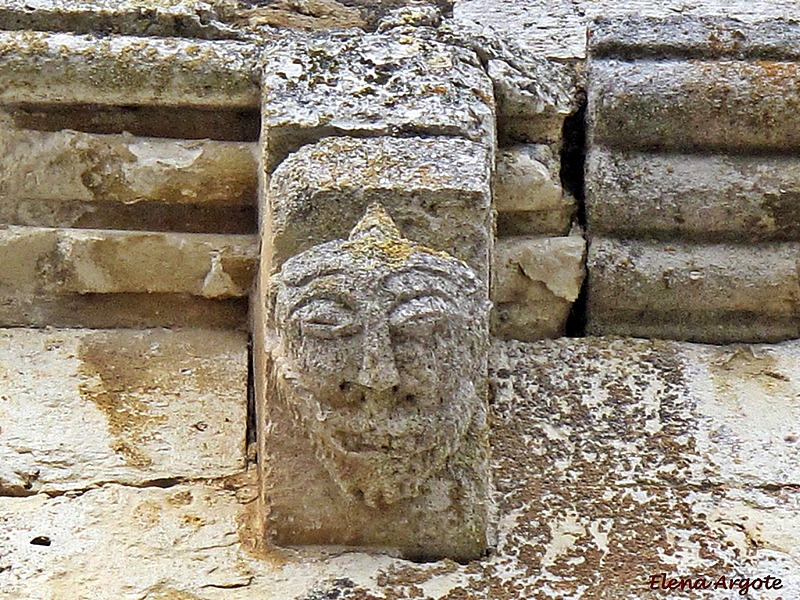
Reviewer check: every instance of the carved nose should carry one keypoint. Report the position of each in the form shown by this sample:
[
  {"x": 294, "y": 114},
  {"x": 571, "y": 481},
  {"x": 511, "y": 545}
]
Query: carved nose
[{"x": 378, "y": 370}]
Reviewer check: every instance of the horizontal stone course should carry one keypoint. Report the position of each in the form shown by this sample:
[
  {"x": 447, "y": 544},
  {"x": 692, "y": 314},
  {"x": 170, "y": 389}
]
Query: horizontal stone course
[
  {"x": 685, "y": 36},
  {"x": 615, "y": 460},
  {"x": 74, "y": 166},
  {"x": 95, "y": 278},
  {"x": 652, "y": 412},
  {"x": 106, "y": 262},
  {"x": 695, "y": 105},
  {"x": 84, "y": 407},
  {"x": 717, "y": 293},
  {"x": 51, "y": 68},
  {"x": 692, "y": 196}
]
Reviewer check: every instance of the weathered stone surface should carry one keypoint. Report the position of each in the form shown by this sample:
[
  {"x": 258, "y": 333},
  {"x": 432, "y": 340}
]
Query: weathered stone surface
[
  {"x": 695, "y": 105},
  {"x": 92, "y": 278},
  {"x": 695, "y": 37},
  {"x": 70, "y": 165},
  {"x": 82, "y": 407},
  {"x": 602, "y": 484},
  {"x": 527, "y": 108},
  {"x": 116, "y": 541},
  {"x": 651, "y": 412},
  {"x": 557, "y": 28},
  {"x": 696, "y": 197},
  {"x": 527, "y": 178},
  {"x": 714, "y": 293},
  {"x": 438, "y": 190},
  {"x": 371, "y": 85},
  {"x": 164, "y": 18},
  {"x": 373, "y": 409},
  {"x": 106, "y": 262},
  {"x": 56, "y": 68},
  {"x": 231, "y": 124},
  {"x": 536, "y": 281},
  {"x": 533, "y": 94},
  {"x": 528, "y": 194},
  {"x": 133, "y": 311}
]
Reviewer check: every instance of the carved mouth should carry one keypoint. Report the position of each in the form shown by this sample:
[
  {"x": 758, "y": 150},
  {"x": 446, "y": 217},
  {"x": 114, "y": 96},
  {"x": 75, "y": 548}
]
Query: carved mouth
[{"x": 407, "y": 445}]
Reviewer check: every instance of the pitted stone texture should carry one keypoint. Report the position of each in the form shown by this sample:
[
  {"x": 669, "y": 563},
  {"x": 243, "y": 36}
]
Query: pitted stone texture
[
  {"x": 66, "y": 178},
  {"x": 696, "y": 37},
  {"x": 438, "y": 190},
  {"x": 577, "y": 524},
  {"x": 557, "y": 28},
  {"x": 693, "y": 197},
  {"x": 533, "y": 94},
  {"x": 536, "y": 281},
  {"x": 528, "y": 195},
  {"x": 374, "y": 420},
  {"x": 625, "y": 412},
  {"x": 693, "y": 105},
  {"x": 162, "y": 18},
  {"x": 63, "y": 68},
  {"x": 82, "y": 407},
  {"x": 716, "y": 293},
  {"x": 371, "y": 85}
]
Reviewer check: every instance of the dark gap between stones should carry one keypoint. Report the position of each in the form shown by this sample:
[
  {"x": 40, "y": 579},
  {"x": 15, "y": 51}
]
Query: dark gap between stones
[
  {"x": 573, "y": 158},
  {"x": 174, "y": 122}
]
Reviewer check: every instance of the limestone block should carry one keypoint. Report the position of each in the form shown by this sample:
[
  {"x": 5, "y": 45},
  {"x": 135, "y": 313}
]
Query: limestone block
[
  {"x": 714, "y": 293},
  {"x": 652, "y": 412},
  {"x": 182, "y": 542},
  {"x": 557, "y": 29},
  {"x": 691, "y": 105},
  {"x": 161, "y": 18},
  {"x": 594, "y": 446},
  {"x": 83, "y": 407},
  {"x": 105, "y": 262},
  {"x": 64, "y": 68},
  {"x": 116, "y": 541},
  {"x": 709, "y": 36},
  {"x": 438, "y": 190},
  {"x": 92, "y": 278},
  {"x": 371, "y": 85},
  {"x": 533, "y": 94},
  {"x": 371, "y": 398},
  {"x": 69, "y": 166},
  {"x": 527, "y": 178},
  {"x": 526, "y": 109},
  {"x": 528, "y": 194},
  {"x": 134, "y": 311},
  {"x": 536, "y": 281},
  {"x": 691, "y": 84},
  {"x": 696, "y": 197}
]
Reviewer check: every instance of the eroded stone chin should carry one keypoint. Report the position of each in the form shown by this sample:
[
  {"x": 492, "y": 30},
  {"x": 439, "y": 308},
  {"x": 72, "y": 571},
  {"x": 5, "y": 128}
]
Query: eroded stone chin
[{"x": 387, "y": 453}]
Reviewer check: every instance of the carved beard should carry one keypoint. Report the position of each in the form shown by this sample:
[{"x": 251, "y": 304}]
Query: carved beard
[{"x": 386, "y": 456}]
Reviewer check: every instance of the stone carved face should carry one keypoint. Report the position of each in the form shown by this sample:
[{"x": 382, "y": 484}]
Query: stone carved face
[{"x": 382, "y": 358}]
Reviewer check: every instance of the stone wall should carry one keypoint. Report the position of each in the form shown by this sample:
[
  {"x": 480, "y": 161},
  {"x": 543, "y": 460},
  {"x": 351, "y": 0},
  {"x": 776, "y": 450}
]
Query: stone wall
[{"x": 161, "y": 163}]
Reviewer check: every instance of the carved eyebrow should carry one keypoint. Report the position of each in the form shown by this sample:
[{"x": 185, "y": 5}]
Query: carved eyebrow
[
  {"x": 342, "y": 299},
  {"x": 407, "y": 295},
  {"x": 305, "y": 278},
  {"x": 421, "y": 282}
]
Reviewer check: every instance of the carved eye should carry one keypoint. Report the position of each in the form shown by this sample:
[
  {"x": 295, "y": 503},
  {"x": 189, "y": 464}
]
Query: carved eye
[
  {"x": 326, "y": 319},
  {"x": 422, "y": 316}
]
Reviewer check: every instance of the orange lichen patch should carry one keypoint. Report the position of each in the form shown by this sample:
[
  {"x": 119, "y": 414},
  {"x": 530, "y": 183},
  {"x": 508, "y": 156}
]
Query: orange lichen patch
[{"x": 376, "y": 238}]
